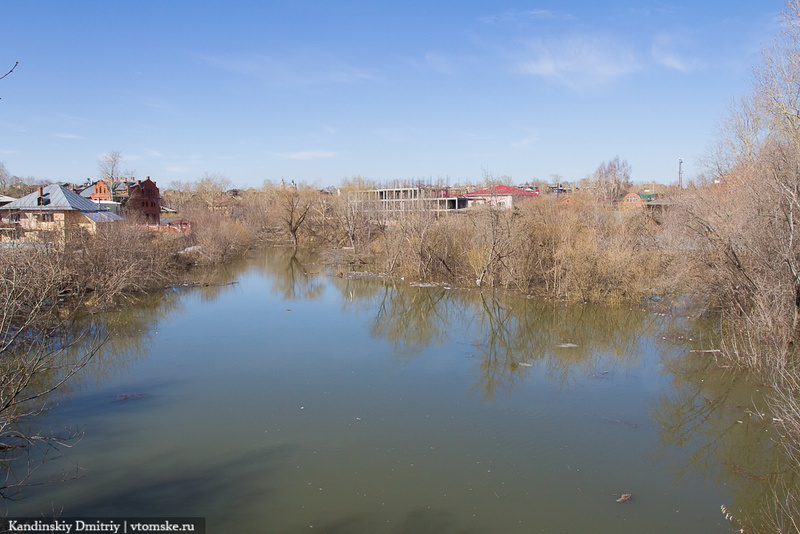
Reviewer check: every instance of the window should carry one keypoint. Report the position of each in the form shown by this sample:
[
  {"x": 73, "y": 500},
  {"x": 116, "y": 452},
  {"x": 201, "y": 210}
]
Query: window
[{"x": 45, "y": 217}]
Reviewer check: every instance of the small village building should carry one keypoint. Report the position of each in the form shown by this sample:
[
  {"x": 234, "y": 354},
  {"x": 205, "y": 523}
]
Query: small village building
[
  {"x": 51, "y": 214},
  {"x": 501, "y": 196},
  {"x": 144, "y": 199},
  {"x": 175, "y": 226},
  {"x": 631, "y": 201},
  {"x": 137, "y": 198}
]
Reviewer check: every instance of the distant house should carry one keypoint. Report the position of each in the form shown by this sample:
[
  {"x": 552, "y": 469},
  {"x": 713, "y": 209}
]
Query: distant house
[
  {"x": 51, "y": 214},
  {"x": 631, "y": 201},
  {"x": 175, "y": 226},
  {"x": 144, "y": 199},
  {"x": 502, "y": 196},
  {"x": 5, "y": 200},
  {"x": 137, "y": 197}
]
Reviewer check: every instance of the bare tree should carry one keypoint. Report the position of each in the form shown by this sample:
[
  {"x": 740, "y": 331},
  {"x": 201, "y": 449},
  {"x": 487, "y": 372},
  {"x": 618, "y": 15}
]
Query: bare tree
[
  {"x": 743, "y": 233},
  {"x": 210, "y": 188},
  {"x": 5, "y": 178},
  {"x": 293, "y": 205},
  {"x": 492, "y": 244},
  {"x": 16, "y": 63},
  {"x": 355, "y": 214},
  {"x": 111, "y": 169},
  {"x": 610, "y": 180},
  {"x": 35, "y": 359}
]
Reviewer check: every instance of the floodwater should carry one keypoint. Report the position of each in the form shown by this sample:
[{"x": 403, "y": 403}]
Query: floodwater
[{"x": 295, "y": 400}]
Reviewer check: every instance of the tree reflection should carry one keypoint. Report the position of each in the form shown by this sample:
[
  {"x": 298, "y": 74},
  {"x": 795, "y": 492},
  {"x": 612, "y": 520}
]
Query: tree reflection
[
  {"x": 508, "y": 333},
  {"x": 128, "y": 331},
  {"x": 413, "y": 318},
  {"x": 289, "y": 272},
  {"x": 59, "y": 361},
  {"x": 719, "y": 422}
]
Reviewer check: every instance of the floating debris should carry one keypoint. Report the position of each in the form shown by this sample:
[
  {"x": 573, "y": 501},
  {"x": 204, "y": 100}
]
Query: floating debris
[
  {"x": 526, "y": 364},
  {"x": 566, "y": 345},
  {"x": 620, "y": 422},
  {"x": 123, "y": 398},
  {"x": 625, "y": 497}
]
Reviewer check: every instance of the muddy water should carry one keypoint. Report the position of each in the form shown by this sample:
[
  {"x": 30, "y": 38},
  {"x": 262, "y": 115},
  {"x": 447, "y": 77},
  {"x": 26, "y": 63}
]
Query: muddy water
[{"x": 295, "y": 400}]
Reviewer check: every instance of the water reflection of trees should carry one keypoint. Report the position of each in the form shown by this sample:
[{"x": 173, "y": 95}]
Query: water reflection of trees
[
  {"x": 294, "y": 274},
  {"x": 511, "y": 333},
  {"x": 415, "y": 317},
  {"x": 506, "y": 333},
  {"x": 128, "y": 332},
  {"x": 709, "y": 413},
  {"x": 93, "y": 347},
  {"x": 719, "y": 421}
]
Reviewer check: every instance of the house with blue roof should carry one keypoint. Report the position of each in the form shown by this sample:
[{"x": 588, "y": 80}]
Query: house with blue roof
[{"x": 51, "y": 214}]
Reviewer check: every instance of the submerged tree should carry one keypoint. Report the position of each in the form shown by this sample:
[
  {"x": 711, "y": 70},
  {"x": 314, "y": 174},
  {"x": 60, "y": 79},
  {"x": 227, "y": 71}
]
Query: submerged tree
[
  {"x": 292, "y": 205},
  {"x": 744, "y": 234},
  {"x": 36, "y": 358}
]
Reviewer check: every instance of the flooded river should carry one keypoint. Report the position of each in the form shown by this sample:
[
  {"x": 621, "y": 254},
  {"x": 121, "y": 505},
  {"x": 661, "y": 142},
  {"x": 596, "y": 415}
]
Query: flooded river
[{"x": 295, "y": 400}]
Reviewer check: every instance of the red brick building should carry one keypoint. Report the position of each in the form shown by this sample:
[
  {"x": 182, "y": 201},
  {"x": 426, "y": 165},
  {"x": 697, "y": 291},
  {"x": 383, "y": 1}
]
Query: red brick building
[
  {"x": 144, "y": 198},
  {"x": 138, "y": 198}
]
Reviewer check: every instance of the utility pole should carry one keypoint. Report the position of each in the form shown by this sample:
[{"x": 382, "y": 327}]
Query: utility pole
[{"x": 680, "y": 173}]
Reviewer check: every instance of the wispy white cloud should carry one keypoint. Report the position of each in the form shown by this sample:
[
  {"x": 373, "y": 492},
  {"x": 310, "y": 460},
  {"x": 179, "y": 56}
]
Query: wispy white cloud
[
  {"x": 671, "y": 51},
  {"x": 393, "y": 135},
  {"x": 478, "y": 137},
  {"x": 159, "y": 104},
  {"x": 153, "y": 153},
  {"x": 436, "y": 62},
  {"x": 306, "y": 154},
  {"x": 508, "y": 17},
  {"x": 67, "y": 136},
  {"x": 579, "y": 62},
  {"x": 300, "y": 69},
  {"x": 6, "y": 151},
  {"x": 522, "y": 143},
  {"x": 439, "y": 63}
]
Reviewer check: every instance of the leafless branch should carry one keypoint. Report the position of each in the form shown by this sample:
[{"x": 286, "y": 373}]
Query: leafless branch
[{"x": 10, "y": 71}]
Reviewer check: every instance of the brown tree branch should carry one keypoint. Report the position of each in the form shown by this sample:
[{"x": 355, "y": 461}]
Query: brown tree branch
[{"x": 12, "y": 70}]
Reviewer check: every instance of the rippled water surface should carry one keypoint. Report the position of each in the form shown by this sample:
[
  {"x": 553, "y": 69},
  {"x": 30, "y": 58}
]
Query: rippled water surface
[{"x": 295, "y": 400}]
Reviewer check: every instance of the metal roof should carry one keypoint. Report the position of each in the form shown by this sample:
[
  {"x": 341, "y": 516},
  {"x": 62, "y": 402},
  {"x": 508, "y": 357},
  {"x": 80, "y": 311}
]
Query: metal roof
[
  {"x": 53, "y": 198},
  {"x": 500, "y": 190},
  {"x": 102, "y": 216},
  {"x": 86, "y": 192}
]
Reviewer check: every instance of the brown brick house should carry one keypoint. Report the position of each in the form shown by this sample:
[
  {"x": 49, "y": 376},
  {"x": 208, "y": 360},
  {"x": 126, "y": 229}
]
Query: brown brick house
[{"x": 138, "y": 198}]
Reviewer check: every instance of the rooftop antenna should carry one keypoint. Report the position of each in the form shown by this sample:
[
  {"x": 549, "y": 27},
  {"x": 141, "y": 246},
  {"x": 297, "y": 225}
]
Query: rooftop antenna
[{"x": 680, "y": 173}]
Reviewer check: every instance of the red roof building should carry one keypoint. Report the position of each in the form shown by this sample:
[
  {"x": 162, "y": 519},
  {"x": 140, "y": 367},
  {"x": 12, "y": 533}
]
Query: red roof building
[{"x": 502, "y": 196}]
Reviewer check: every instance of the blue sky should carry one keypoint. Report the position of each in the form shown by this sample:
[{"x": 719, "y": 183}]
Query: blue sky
[{"x": 406, "y": 90}]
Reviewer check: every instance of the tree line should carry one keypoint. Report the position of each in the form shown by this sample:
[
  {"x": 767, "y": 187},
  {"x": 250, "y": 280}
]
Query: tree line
[{"x": 727, "y": 247}]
